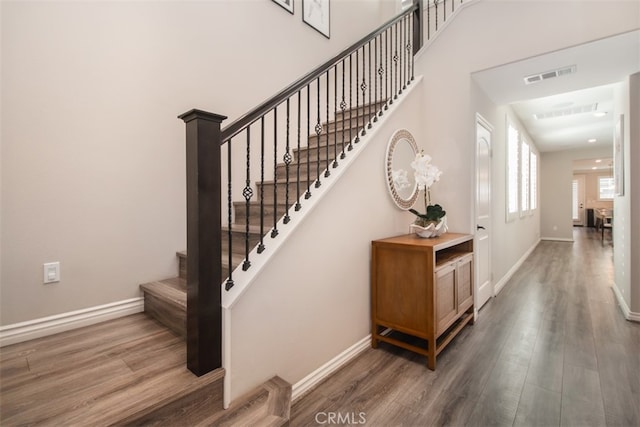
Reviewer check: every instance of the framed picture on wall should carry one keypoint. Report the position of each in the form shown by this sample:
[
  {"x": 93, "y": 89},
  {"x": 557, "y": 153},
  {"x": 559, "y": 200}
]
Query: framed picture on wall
[
  {"x": 287, "y": 4},
  {"x": 618, "y": 157},
  {"x": 316, "y": 13}
]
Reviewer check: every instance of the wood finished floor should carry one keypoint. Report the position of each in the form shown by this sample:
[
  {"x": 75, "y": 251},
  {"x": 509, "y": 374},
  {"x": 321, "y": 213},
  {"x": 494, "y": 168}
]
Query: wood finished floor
[
  {"x": 94, "y": 375},
  {"x": 552, "y": 349}
]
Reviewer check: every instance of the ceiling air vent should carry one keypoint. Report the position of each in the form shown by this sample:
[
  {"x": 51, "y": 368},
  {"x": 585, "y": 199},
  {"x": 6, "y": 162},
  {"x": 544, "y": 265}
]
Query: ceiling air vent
[
  {"x": 534, "y": 78},
  {"x": 580, "y": 109}
]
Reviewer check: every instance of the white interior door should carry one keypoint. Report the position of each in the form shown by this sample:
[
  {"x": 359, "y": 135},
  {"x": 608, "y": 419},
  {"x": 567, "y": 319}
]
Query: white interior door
[
  {"x": 577, "y": 200},
  {"x": 484, "y": 285}
]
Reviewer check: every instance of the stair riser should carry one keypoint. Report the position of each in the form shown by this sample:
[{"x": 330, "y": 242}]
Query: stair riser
[
  {"x": 334, "y": 139},
  {"x": 238, "y": 242},
  {"x": 183, "y": 273},
  {"x": 310, "y": 156},
  {"x": 322, "y": 154},
  {"x": 170, "y": 315},
  {"x": 339, "y": 138},
  {"x": 281, "y": 172},
  {"x": 182, "y": 267},
  {"x": 254, "y": 219},
  {"x": 362, "y": 114},
  {"x": 186, "y": 409},
  {"x": 366, "y": 110},
  {"x": 281, "y": 188},
  {"x": 355, "y": 124}
]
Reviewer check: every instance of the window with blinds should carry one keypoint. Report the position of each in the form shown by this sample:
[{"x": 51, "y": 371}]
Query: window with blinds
[
  {"x": 525, "y": 174},
  {"x": 605, "y": 188},
  {"x": 533, "y": 181},
  {"x": 512, "y": 172}
]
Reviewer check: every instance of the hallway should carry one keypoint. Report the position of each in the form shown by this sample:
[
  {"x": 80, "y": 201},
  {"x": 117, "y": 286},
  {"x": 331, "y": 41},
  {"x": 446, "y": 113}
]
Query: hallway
[{"x": 551, "y": 349}]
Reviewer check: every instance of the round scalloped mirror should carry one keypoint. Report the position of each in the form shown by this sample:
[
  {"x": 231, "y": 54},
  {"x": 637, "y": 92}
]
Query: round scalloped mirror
[{"x": 401, "y": 151}]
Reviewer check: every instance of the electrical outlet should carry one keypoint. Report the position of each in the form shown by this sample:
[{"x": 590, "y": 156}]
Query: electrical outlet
[{"x": 51, "y": 272}]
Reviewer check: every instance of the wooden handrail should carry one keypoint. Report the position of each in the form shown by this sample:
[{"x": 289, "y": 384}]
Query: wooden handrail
[{"x": 242, "y": 122}]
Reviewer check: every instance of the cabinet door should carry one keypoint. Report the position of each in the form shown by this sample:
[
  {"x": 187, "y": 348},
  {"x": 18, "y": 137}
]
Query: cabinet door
[
  {"x": 446, "y": 306},
  {"x": 465, "y": 282}
]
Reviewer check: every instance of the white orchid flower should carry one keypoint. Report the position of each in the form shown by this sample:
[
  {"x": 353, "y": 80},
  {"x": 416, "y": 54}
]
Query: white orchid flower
[{"x": 425, "y": 173}]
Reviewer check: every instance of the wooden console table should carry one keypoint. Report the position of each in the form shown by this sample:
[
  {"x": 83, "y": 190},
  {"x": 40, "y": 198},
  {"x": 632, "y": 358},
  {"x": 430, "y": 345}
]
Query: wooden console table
[{"x": 421, "y": 290}]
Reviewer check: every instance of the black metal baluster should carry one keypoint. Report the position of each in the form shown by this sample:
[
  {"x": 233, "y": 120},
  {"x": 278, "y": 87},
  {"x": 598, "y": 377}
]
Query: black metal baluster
[
  {"x": 274, "y": 231},
  {"x": 380, "y": 71},
  {"x": 229, "y": 283},
  {"x": 409, "y": 54},
  {"x": 378, "y": 59},
  {"x": 350, "y": 102},
  {"x": 395, "y": 61},
  {"x": 363, "y": 87},
  {"x": 308, "y": 193},
  {"x": 261, "y": 245},
  {"x": 247, "y": 192},
  {"x": 444, "y": 11},
  {"x": 413, "y": 63},
  {"x": 402, "y": 57},
  {"x": 387, "y": 72},
  {"x": 369, "y": 87},
  {"x": 435, "y": 2},
  {"x": 357, "y": 98},
  {"x": 327, "y": 172},
  {"x": 318, "y": 133},
  {"x": 428, "y": 20},
  {"x": 298, "y": 162},
  {"x": 375, "y": 79},
  {"x": 335, "y": 115},
  {"x": 343, "y": 107}
]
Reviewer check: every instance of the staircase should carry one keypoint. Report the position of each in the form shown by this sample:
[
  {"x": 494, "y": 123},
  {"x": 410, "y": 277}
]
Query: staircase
[{"x": 166, "y": 300}]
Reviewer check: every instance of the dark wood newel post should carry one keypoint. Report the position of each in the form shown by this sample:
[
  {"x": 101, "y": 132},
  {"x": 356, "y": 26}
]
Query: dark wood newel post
[
  {"x": 204, "y": 247},
  {"x": 418, "y": 23}
]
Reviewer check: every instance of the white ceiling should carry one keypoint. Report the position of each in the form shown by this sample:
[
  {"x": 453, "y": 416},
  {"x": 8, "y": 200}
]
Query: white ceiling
[{"x": 600, "y": 65}]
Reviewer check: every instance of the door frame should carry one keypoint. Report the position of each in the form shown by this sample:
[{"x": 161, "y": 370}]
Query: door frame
[
  {"x": 582, "y": 182},
  {"x": 481, "y": 121}
]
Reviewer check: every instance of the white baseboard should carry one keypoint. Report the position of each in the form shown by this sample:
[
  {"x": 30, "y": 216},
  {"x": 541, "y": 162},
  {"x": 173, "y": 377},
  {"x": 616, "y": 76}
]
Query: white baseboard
[
  {"x": 626, "y": 311},
  {"x": 25, "y": 331},
  {"x": 305, "y": 384},
  {"x": 557, "y": 239},
  {"x": 503, "y": 281}
]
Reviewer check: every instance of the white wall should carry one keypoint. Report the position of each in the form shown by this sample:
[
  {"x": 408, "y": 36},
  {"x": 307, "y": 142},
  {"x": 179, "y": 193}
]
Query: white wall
[
  {"x": 556, "y": 170},
  {"x": 632, "y": 180},
  {"x": 626, "y": 230},
  {"x": 92, "y": 167}
]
